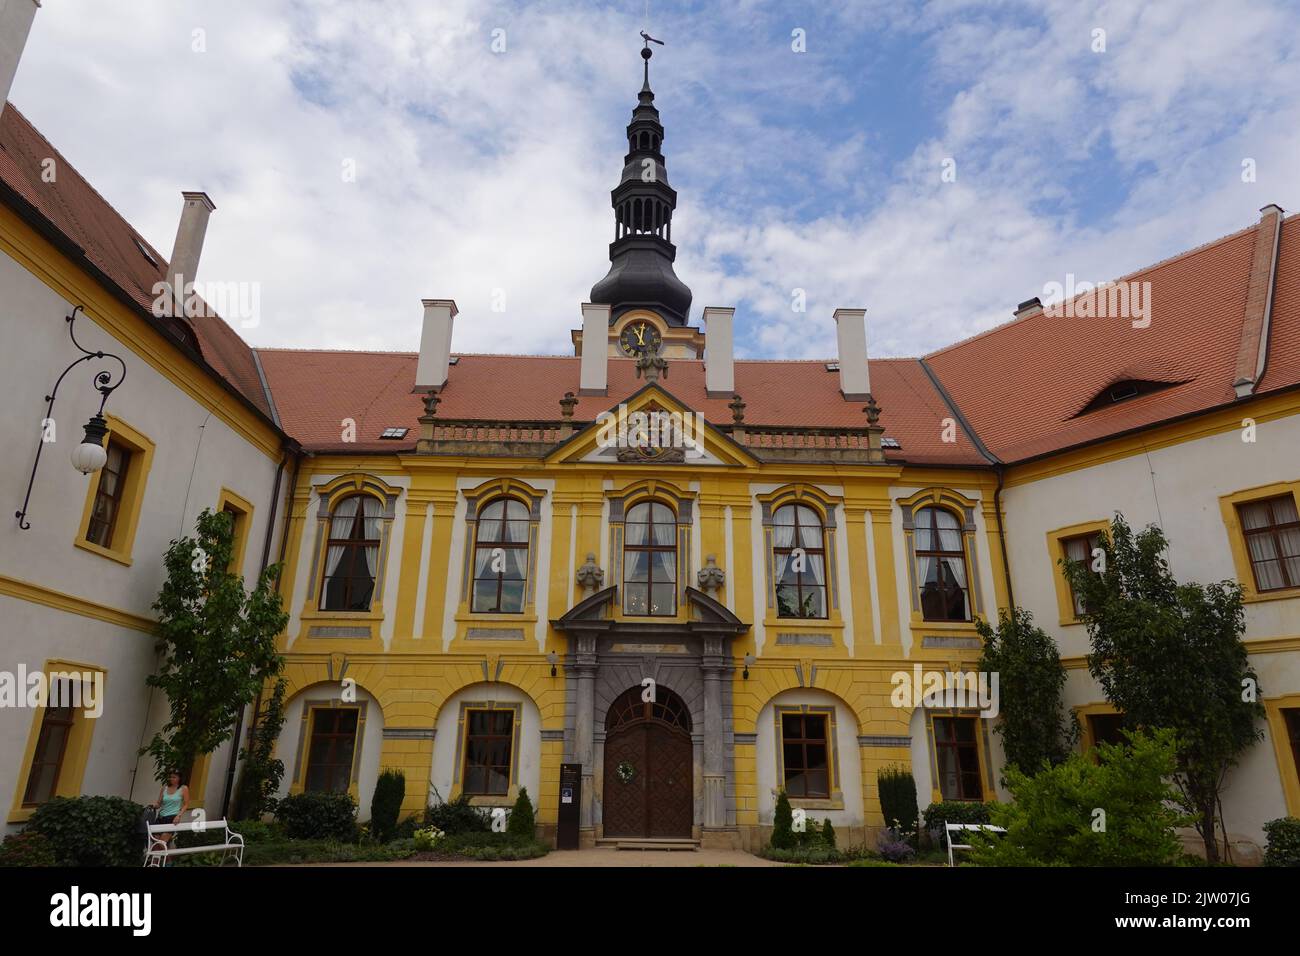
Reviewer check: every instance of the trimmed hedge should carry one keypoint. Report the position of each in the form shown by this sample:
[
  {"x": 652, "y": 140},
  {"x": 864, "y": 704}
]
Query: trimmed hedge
[
  {"x": 91, "y": 831},
  {"x": 522, "y": 825},
  {"x": 390, "y": 790},
  {"x": 898, "y": 799},
  {"x": 954, "y": 811},
  {"x": 318, "y": 816},
  {"x": 458, "y": 816}
]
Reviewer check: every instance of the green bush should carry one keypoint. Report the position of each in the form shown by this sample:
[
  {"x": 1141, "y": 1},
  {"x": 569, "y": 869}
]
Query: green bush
[
  {"x": 458, "y": 816},
  {"x": 954, "y": 811},
  {"x": 814, "y": 855},
  {"x": 522, "y": 824},
  {"x": 1283, "y": 842},
  {"x": 390, "y": 791},
  {"x": 257, "y": 831},
  {"x": 318, "y": 816},
  {"x": 26, "y": 849},
  {"x": 783, "y": 835},
  {"x": 898, "y": 799},
  {"x": 91, "y": 831},
  {"x": 1115, "y": 812},
  {"x": 828, "y": 833},
  {"x": 490, "y": 846}
]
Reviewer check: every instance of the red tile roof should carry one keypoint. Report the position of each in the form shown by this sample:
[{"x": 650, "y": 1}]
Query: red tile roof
[
  {"x": 526, "y": 388},
  {"x": 72, "y": 207},
  {"x": 1022, "y": 387}
]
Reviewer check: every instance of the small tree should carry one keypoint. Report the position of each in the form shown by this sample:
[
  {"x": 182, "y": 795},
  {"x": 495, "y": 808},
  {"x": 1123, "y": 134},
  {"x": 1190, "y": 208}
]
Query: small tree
[
  {"x": 783, "y": 837},
  {"x": 522, "y": 824},
  {"x": 262, "y": 771},
  {"x": 386, "y": 804},
  {"x": 218, "y": 643},
  {"x": 1034, "y": 729},
  {"x": 1170, "y": 655},
  {"x": 898, "y": 806},
  {"x": 1116, "y": 812}
]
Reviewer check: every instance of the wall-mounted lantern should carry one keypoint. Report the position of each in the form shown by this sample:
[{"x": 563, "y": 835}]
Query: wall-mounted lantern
[{"x": 90, "y": 455}]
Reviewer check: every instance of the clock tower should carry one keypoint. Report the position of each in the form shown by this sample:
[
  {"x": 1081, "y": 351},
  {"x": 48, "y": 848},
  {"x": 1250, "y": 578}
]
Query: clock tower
[{"x": 641, "y": 276}]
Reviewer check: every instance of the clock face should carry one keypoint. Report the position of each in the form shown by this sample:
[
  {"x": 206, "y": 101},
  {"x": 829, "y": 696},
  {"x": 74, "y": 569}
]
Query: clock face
[{"x": 637, "y": 337}]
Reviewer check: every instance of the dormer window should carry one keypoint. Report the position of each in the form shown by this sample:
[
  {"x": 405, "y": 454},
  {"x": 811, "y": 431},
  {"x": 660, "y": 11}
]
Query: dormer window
[
  {"x": 144, "y": 251},
  {"x": 1122, "y": 391},
  {"x": 394, "y": 433}
]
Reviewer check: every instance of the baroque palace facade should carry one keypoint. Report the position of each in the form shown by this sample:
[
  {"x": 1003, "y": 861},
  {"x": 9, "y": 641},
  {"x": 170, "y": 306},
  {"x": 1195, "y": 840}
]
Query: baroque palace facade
[{"x": 483, "y": 570}]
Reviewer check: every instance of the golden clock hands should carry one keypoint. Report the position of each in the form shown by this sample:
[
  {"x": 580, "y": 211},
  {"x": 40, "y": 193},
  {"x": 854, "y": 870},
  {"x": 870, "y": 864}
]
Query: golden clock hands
[{"x": 640, "y": 334}]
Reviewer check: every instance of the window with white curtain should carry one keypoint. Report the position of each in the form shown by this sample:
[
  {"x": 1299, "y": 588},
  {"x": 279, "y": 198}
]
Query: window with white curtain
[
  {"x": 650, "y": 560},
  {"x": 799, "y": 553},
  {"x": 501, "y": 557},
  {"x": 1272, "y": 531},
  {"x": 352, "y": 554},
  {"x": 941, "y": 566}
]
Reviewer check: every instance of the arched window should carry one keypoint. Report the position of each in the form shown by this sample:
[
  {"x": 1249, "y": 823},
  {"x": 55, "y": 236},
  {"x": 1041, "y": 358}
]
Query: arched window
[
  {"x": 941, "y": 566},
  {"x": 501, "y": 557},
  {"x": 352, "y": 554},
  {"x": 666, "y": 708},
  {"x": 650, "y": 560},
  {"x": 799, "y": 550}
]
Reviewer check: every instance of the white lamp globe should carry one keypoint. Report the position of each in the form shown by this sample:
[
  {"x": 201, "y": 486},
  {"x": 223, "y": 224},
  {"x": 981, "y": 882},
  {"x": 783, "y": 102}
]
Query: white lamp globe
[{"x": 88, "y": 457}]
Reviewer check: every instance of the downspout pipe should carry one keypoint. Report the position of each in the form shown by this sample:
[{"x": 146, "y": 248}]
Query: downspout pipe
[
  {"x": 999, "y": 469},
  {"x": 291, "y": 450}
]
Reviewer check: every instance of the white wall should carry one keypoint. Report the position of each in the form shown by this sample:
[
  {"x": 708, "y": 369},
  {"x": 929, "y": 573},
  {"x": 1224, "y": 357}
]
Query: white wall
[
  {"x": 1178, "y": 488},
  {"x": 372, "y": 740},
  {"x": 530, "y": 737},
  {"x": 196, "y": 455},
  {"x": 849, "y": 779}
]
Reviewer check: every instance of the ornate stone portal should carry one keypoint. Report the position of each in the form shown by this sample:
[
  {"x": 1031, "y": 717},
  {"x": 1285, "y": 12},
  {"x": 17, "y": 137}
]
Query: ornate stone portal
[{"x": 690, "y": 660}]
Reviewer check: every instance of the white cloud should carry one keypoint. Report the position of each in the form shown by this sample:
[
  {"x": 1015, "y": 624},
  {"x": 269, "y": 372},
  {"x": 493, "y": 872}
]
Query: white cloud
[{"x": 481, "y": 171}]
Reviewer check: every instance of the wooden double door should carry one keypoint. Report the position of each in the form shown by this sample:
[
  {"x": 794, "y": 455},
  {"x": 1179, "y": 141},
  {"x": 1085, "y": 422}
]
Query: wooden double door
[{"x": 648, "y": 788}]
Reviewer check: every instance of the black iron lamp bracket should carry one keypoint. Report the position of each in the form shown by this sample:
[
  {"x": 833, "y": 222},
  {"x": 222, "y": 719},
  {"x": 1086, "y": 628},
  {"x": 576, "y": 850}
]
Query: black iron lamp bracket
[{"x": 103, "y": 383}]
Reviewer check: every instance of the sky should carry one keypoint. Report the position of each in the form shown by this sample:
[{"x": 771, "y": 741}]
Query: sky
[{"x": 935, "y": 163}]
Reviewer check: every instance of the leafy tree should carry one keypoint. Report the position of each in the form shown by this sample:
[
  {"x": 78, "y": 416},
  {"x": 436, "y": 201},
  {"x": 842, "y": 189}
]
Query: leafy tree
[
  {"x": 1170, "y": 655},
  {"x": 1034, "y": 729},
  {"x": 1116, "y": 812},
  {"x": 262, "y": 771},
  {"x": 218, "y": 642}
]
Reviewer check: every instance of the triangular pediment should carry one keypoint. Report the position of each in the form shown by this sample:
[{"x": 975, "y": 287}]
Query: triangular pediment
[{"x": 652, "y": 427}]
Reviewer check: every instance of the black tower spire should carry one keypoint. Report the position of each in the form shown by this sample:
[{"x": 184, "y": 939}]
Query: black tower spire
[{"x": 642, "y": 253}]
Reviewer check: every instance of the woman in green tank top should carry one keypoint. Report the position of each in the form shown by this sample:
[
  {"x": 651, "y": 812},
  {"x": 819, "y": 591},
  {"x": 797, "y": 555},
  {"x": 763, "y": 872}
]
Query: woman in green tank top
[{"x": 173, "y": 801}]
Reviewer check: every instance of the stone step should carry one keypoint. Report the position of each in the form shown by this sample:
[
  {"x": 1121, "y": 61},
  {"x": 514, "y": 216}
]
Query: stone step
[{"x": 626, "y": 843}]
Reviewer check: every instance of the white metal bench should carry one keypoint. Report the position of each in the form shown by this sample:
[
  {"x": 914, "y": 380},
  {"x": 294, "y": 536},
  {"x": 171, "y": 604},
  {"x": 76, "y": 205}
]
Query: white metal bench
[
  {"x": 951, "y": 828},
  {"x": 159, "y": 850}
]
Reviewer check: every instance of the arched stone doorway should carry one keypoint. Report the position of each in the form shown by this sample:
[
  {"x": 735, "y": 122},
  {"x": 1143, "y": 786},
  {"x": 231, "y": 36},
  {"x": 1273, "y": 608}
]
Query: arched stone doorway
[{"x": 648, "y": 787}]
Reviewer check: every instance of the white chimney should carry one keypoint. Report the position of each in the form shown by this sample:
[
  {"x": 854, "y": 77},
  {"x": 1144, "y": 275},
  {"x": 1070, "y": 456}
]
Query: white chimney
[
  {"x": 593, "y": 375},
  {"x": 719, "y": 360},
  {"x": 16, "y": 18},
  {"x": 184, "y": 263},
  {"x": 851, "y": 334},
  {"x": 435, "y": 344}
]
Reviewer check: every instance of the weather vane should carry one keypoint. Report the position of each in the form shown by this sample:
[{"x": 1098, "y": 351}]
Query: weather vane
[{"x": 647, "y": 53}]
